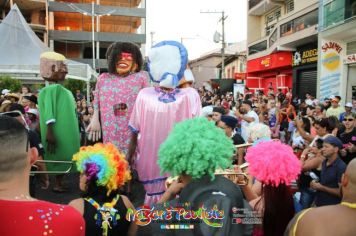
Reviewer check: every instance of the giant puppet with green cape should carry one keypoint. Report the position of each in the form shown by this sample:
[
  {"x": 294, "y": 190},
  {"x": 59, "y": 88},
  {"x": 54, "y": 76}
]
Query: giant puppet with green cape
[{"x": 58, "y": 118}]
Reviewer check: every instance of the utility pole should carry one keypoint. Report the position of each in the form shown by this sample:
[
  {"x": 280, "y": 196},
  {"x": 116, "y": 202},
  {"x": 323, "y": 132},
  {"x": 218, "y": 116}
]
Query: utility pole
[
  {"x": 92, "y": 31},
  {"x": 222, "y": 19}
]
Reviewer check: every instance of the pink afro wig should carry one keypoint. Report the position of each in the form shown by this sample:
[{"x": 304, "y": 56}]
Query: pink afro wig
[{"x": 273, "y": 163}]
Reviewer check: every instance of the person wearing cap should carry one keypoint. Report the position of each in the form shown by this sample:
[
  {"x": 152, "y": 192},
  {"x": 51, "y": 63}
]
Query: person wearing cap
[
  {"x": 58, "y": 120},
  {"x": 5, "y": 91},
  {"x": 335, "y": 109},
  {"x": 348, "y": 111},
  {"x": 13, "y": 97},
  {"x": 156, "y": 110},
  {"x": 247, "y": 116},
  {"x": 228, "y": 124},
  {"x": 328, "y": 189},
  {"x": 33, "y": 115},
  {"x": 32, "y": 101},
  {"x": 348, "y": 138},
  {"x": 217, "y": 113}
]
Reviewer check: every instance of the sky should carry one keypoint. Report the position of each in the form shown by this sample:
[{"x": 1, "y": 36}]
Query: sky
[{"x": 181, "y": 20}]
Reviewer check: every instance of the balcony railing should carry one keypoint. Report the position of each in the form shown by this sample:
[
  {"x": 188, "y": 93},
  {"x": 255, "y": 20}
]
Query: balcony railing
[
  {"x": 258, "y": 47},
  {"x": 253, "y": 3},
  {"x": 308, "y": 20}
]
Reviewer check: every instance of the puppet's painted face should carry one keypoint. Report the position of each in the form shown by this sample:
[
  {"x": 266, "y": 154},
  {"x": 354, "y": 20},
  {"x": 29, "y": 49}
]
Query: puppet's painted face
[
  {"x": 52, "y": 70},
  {"x": 125, "y": 64}
]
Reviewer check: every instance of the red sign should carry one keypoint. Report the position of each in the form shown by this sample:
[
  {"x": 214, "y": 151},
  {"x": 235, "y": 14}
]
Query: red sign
[
  {"x": 350, "y": 59},
  {"x": 331, "y": 45},
  {"x": 272, "y": 61},
  {"x": 240, "y": 76}
]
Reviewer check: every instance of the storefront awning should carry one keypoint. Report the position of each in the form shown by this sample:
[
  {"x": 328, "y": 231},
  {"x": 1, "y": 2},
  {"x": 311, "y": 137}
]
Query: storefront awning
[{"x": 270, "y": 62}]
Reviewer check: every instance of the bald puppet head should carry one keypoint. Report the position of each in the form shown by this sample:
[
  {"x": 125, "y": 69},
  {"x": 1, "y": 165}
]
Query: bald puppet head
[
  {"x": 348, "y": 181},
  {"x": 52, "y": 67}
]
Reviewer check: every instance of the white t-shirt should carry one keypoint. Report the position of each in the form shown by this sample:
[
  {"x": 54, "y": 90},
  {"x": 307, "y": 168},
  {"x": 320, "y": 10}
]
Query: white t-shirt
[{"x": 245, "y": 124}]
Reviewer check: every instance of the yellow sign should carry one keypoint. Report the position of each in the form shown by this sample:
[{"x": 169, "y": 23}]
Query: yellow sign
[
  {"x": 266, "y": 62},
  {"x": 331, "y": 59}
]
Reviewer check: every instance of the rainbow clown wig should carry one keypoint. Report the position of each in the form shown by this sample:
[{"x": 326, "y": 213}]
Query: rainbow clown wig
[
  {"x": 103, "y": 163},
  {"x": 195, "y": 147},
  {"x": 273, "y": 163}
]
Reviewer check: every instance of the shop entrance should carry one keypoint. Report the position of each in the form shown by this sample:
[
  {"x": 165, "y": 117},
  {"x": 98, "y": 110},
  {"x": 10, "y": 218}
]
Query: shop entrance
[{"x": 306, "y": 83}]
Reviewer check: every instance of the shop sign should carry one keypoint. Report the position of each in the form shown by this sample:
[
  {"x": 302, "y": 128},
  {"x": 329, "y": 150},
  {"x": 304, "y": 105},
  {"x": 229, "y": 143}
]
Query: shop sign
[
  {"x": 331, "y": 55},
  {"x": 240, "y": 76},
  {"x": 350, "y": 59},
  {"x": 303, "y": 57},
  {"x": 331, "y": 70},
  {"x": 266, "y": 62},
  {"x": 270, "y": 62}
]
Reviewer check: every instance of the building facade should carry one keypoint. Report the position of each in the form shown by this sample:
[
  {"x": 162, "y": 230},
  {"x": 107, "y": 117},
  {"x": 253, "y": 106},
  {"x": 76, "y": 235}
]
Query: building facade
[
  {"x": 70, "y": 27},
  {"x": 283, "y": 30},
  {"x": 337, "y": 49},
  {"x": 208, "y": 66}
]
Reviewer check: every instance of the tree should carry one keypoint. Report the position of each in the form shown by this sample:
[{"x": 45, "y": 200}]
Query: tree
[
  {"x": 7, "y": 82},
  {"x": 73, "y": 85}
]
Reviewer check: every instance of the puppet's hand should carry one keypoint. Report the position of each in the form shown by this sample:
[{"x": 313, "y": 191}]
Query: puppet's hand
[{"x": 94, "y": 128}]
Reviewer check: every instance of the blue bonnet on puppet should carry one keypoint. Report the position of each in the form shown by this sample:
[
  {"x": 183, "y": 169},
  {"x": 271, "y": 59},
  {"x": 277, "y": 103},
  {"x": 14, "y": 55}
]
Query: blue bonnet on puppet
[{"x": 167, "y": 62}]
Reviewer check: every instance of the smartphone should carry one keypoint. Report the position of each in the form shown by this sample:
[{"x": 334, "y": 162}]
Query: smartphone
[{"x": 314, "y": 176}]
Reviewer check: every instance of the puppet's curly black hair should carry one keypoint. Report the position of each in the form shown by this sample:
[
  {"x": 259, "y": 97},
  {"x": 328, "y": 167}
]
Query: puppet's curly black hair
[{"x": 117, "y": 48}]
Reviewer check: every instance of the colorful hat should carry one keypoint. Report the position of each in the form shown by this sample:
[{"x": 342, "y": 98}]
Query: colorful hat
[
  {"x": 167, "y": 63},
  {"x": 198, "y": 152},
  {"x": 104, "y": 163},
  {"x": 273, "y": 163}
]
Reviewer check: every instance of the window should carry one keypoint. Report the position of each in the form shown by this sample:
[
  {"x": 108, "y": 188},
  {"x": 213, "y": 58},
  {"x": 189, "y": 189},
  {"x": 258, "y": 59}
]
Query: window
[
  {"x": 259, "y": 47},
  {"x": 289, "y": 6},
  {"x": 274, "y": 15},
  {"x": 308, "y": 20},
  {"x": 269, "y": 29}
]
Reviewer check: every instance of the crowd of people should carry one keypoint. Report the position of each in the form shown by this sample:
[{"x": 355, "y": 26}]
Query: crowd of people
[{"x": 288, "y": 162}]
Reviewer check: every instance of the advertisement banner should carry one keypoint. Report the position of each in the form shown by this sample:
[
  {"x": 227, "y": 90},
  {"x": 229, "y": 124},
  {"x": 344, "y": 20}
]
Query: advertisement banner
[{"x": 331, "y": 67}]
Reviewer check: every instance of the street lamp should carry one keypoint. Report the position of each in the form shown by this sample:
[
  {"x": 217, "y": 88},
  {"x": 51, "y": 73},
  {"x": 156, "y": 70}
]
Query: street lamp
[
  {"x": 217, "y": 39},
  {"x": 92, "y": 14}
]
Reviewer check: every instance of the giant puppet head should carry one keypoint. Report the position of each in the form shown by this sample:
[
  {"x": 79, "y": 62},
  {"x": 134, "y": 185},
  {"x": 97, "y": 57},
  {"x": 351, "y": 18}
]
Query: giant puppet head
[
  {"x": 124, "y": 58},
  {"x": 167, "y": 64},
  {"x": 52, "y": 66}
]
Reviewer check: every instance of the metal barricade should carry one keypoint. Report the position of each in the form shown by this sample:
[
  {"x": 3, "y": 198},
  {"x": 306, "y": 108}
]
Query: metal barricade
[{"x": 66, "y": 171}]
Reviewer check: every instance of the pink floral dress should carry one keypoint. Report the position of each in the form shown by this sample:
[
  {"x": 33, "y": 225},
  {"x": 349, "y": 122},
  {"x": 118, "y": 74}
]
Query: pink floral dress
[{"x": 115, "y": 97}]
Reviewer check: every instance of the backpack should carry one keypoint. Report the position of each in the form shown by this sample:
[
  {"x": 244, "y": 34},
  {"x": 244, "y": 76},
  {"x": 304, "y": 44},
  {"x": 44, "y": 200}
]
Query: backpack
[{"x": 221, "y": 194}]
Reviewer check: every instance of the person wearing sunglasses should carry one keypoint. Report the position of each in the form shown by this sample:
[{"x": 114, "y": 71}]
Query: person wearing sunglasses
[
  {"x": 348, "y": 138},
  {"x": 58, "y": 118},
  {"x": 22, "y": 214}
]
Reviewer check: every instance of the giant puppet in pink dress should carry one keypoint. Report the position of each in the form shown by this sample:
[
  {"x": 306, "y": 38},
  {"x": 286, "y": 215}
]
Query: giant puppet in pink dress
[
  {"x": 156, "y": 111},
  {"x": 115, "y": 95}
]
